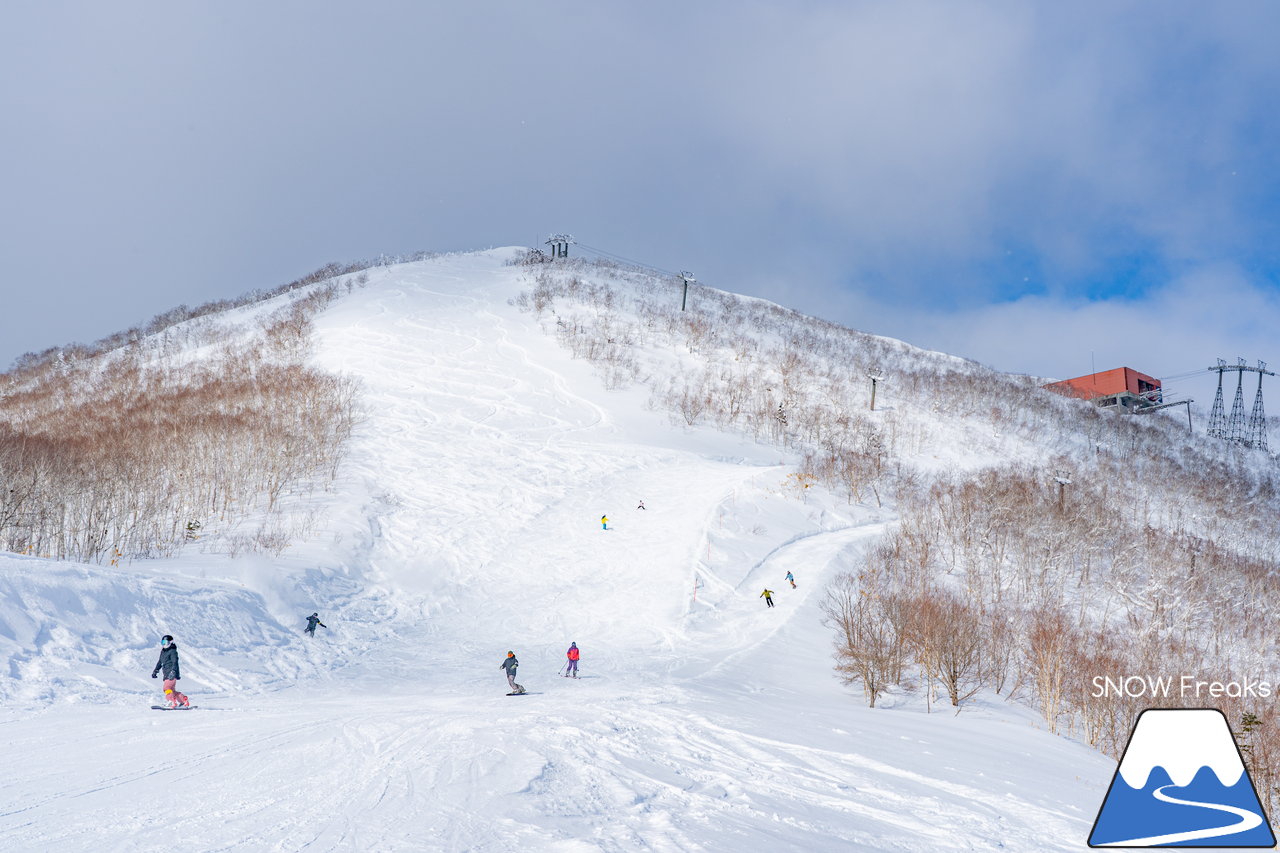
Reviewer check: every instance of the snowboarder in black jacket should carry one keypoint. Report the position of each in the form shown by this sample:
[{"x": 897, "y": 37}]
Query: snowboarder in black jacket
[
  {"x": 312, "y": 621},
  {"x": 169, "y": 663}
]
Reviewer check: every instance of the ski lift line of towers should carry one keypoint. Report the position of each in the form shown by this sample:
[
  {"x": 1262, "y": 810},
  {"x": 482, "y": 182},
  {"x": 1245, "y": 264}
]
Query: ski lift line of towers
[
  {"x": 1235, "y": 429},
  {"x": 559, "y": 248},
  {"x": 1147, "y": 400}
]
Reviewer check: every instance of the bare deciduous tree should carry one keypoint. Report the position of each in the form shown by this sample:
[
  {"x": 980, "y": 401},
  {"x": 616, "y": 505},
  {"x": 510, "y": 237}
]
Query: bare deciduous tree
[
  {"x": 1050, "y": 638},
  {"x": 869, "y": 648}
]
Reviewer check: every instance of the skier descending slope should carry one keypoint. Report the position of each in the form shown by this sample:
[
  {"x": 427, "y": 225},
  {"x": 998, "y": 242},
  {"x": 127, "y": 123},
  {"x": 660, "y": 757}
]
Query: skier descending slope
[
  {"x": 767, "y": 595},
  {"x": 571, "y": 668},
  {"x": 510, "y": 665},
  {"x": 169, "y": 663}
]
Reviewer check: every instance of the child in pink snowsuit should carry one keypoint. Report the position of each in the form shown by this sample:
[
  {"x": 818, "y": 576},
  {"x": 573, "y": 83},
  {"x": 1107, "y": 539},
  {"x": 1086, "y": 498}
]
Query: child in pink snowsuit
[{"x": 169, "y": 663}]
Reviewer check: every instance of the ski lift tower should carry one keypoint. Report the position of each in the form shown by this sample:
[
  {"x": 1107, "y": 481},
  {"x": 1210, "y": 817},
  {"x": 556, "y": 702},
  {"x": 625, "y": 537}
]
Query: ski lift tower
[
  {"x": 559, "y": 244},
  {"x": 876, "y": 377},
  {"x": 1063, "y": 479},
  {"x": 688, "y": 279}
]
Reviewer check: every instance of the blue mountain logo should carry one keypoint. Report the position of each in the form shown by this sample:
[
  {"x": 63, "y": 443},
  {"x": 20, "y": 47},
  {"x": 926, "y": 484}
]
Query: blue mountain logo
[{"x": 1181, "y": 783}]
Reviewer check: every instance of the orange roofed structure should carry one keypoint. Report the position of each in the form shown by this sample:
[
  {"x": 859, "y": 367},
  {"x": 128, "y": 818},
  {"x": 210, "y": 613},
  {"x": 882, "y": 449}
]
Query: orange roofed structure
[{"x": 1124, "y": 387}]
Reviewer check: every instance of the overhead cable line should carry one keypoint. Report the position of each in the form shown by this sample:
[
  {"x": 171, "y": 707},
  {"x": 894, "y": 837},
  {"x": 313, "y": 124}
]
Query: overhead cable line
[
  {"x": 625, "y": 260},
  {"x": 1187, "y": 375}
]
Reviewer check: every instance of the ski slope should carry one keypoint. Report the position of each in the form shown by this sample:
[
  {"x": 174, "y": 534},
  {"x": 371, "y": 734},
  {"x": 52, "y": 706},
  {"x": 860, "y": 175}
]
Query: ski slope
[{"x": 466, "y": 522}]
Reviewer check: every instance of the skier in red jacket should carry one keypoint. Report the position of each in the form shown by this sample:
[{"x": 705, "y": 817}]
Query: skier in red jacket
[{"x": 571, "y": 670}]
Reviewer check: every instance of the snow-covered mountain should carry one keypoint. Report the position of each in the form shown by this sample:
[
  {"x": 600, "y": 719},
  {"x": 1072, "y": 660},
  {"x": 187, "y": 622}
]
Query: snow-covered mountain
[{"x": 466, "y": 521}]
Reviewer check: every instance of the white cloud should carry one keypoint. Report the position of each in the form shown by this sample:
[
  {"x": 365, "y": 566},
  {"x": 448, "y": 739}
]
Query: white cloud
[
  {"x": 933, "y": 153},
  {"x": 1210, "y": 313}
]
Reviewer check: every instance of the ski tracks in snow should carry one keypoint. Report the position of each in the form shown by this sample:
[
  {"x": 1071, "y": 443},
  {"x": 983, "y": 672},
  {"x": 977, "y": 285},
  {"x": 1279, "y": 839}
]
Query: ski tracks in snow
[
  {"x": 447, "y": 365},
  {"x": 474, "y": 491}
]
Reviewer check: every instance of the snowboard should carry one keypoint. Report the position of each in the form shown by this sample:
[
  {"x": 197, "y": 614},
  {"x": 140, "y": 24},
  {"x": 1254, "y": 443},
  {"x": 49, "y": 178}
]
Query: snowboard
[{"x": 179, "y": 708}]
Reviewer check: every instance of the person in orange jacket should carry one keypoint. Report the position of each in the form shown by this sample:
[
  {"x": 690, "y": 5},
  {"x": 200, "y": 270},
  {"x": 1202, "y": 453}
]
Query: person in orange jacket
[{"x": 571, "y": 669}]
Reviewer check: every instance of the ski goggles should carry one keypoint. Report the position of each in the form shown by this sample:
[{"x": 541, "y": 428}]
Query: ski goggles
[{"x": 165, "y": 642}]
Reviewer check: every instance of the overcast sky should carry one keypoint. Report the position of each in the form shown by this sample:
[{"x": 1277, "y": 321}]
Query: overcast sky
[{"x": 1044, "y": 187}]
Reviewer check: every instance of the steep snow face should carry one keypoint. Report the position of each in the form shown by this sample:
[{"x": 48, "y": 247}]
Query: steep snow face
[
  {"x": 466, "y": 522},
  {"x": 491, "y": 461}
]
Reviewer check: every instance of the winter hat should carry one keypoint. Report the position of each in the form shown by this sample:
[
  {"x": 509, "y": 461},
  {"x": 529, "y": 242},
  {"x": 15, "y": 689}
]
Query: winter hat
[{"x": 167, "y": 638}]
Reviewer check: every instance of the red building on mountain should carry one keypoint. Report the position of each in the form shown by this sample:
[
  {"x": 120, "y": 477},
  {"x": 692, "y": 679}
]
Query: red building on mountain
[{"x": 1123, "y": 386}]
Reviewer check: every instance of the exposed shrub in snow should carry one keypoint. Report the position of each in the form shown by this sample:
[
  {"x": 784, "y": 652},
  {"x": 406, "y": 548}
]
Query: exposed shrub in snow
[
  {"x": 29, "y": 365},
  {"x": 128, "y": 453}
]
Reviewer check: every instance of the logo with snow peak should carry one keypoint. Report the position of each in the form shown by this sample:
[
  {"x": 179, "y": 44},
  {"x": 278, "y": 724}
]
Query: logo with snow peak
[{"x": 1181, "y": 783}]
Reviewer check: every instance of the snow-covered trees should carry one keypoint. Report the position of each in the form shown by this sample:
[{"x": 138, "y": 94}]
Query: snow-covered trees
[
  {"x": 1160, "y": 557},
  {"x": 194, "y": 428}
]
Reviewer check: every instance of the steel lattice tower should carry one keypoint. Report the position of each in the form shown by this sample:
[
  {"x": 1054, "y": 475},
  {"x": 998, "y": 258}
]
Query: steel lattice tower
[
  {"x": 1257, "y": 437},
  {"x": 1252, "y": 433},
  {"x": 1235, "y": 426},
  {"x": 1218, "y": 417}
]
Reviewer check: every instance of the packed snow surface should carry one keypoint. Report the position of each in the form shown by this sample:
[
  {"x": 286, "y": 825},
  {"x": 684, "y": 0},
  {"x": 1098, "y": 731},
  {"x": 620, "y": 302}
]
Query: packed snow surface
[{"x": 466, "y": 522}]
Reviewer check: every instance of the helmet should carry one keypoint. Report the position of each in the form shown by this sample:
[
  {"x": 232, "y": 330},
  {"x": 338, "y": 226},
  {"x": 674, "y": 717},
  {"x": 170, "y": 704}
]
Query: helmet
[
  {"x": 511, "y": 654},
  {"x": 167, "y": 638},
  {"x": 317, "y": 613}
]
